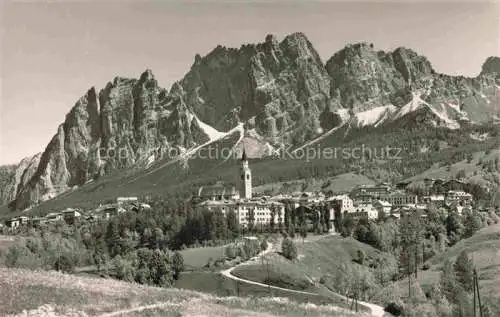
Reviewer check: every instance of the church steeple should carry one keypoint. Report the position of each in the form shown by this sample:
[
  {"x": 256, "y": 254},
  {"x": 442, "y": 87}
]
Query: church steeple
[
  {"x": 244, "y": 155},
  {"x": 245, "y": 177}
]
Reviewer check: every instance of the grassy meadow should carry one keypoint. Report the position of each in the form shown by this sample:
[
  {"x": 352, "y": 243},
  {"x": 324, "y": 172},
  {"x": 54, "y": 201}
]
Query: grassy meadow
[{"x": 55, "y": 294}]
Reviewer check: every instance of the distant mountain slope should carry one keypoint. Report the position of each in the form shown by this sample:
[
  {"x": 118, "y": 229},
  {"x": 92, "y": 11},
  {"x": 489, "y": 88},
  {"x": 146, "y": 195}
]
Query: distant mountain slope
[{"x": 281, "y": 93}]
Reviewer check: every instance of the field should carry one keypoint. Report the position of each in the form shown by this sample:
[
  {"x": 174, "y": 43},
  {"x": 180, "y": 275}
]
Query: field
[
  {"x": 198, "y": 257},
  {"x": 51, "y": 294},
  {"x": 5, "y": 242}
]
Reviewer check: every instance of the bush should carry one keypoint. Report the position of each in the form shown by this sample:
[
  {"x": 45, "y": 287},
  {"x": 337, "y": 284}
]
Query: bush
[
  {"x": 395, "y": 309},
  {"x": 289, "y": 249},
  {"x": 263, "y": 245},
  {"x": 230, "y": 252}
]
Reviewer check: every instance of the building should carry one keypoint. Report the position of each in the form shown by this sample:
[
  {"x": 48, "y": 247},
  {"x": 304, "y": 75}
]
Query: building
[
  {"x": 245, "y": 177},
  {"x": 399, "y": 198},
  {"x": 460, "y": 197},
  {"x": 373, "y": 191},
  {"x": 54, "y": 216},
  {"x": 341, "y": 204},
  {"x": 368, "y": 209},
  {"x": 242, "y": 204},
  {"x": 262, "y": 210},
  {"x": 23, "y": 220},
  {"x": 218, "y": 191},
  {"x": 436, "y": 200},
  {"x": 70, "y": 215},
  {"x": 12, "y": 223},
  {"x": 125, "y": 201},
  {"x": 383, "y": 207}
]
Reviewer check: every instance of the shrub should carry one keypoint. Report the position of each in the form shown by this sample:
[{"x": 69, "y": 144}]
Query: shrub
[
  {"x": 263, "y": 245},
  {"x": 395, "y": 309},
  {"x": 229, "y": 252},
  {"x": 289, "y": 249}
]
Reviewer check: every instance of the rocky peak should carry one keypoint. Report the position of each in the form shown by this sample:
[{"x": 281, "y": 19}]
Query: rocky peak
[
  {"x": 147, "y": 75},
  {"x": 491, "y": 66}
]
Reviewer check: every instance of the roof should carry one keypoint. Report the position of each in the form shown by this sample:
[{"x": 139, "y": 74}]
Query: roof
[
  {"x": 384, "y": 203},
  {"x": 218, "y": 189}
]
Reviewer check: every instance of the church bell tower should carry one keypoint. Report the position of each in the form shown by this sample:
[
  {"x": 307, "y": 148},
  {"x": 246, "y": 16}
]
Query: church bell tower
[{"x": 245, "y": 177}]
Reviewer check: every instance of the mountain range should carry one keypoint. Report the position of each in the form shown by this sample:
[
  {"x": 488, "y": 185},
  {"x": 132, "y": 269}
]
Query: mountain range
[{"x": 275, "y": 94}]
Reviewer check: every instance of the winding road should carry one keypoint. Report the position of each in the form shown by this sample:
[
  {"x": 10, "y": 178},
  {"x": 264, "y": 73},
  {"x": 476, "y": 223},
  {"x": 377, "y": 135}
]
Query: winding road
[{"x": 376, "y": 310}]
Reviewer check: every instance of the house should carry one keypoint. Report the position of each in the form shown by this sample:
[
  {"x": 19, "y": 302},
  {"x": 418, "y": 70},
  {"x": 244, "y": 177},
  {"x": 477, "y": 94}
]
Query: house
[
  {"x": 125, "y": 201},
  {"x": 361, "y": 208},
  {"x": 436, "y": 200},
  {"x": 70, "y": 215},
  {"x": 383, "y": 207},
  {"x": 340, "y": 205},
  {"x": 460, "y": 197},
  {"x": 54, "y": 216},
  {"x": 23, "y": 220},
  {"x": 12, "y": 223},
  {"x": 36, "y": 221}
]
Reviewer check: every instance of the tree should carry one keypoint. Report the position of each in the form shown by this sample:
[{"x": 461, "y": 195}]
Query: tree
[
  {"x": 454, "y": 227},
  {"x": 251, "y": 219},
  {"x": 288, "y": 249},
  {"x": 360, "y": 257},
  {"x": 232, "y": 224},
  {"x": 263, "y": 245},
  {"x": 472, "y": 223},
  {"x": 448, "y": 282},
  {"x": 464, "y": 271},
  {"x": 303, "y": 232},
  {"x": 272, "y": 220},
  {"x": 112, "y": 238},
  {"x": 177, "y": 264}
]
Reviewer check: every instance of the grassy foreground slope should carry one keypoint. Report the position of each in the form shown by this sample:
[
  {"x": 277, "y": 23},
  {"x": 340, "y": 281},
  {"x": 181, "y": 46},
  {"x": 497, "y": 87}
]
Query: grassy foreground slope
[{"x": 52, "y": 294}]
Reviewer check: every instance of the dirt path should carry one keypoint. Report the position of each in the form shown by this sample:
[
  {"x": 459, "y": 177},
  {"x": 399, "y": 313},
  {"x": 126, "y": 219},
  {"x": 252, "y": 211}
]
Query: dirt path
[{"x": 376, "y": 310}]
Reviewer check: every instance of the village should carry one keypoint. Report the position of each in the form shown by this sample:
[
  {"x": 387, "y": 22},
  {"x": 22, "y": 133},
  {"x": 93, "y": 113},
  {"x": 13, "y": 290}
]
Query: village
[{"x": 372, "y": 202}]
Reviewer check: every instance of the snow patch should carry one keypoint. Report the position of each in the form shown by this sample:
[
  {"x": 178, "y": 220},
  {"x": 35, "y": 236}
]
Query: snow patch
[
  {"x": 211, "y": 132},
  {"x": 375, "y": 116},
  {"x": 417, "y": 103},
  {"x": 343, "y": 114}
]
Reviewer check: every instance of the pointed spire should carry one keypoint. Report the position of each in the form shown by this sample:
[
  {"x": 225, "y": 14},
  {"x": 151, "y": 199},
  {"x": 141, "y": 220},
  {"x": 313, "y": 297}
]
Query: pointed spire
[{"x": 244, "y": 155}]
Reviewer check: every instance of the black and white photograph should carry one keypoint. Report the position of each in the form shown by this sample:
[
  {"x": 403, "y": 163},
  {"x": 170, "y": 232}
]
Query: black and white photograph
[{"x": 249, "y": 158}]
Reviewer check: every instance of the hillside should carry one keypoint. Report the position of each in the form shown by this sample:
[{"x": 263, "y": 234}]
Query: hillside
[
  {"x": 51, "y": 294},
  {"x": 319, "y": 259},
  {"x": 279, "y": 92},
  {"x": 483, "y": 247}
]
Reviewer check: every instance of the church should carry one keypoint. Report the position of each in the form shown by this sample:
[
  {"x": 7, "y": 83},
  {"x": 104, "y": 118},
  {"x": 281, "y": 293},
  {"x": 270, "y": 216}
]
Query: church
[{"x": 240, "y": 200}]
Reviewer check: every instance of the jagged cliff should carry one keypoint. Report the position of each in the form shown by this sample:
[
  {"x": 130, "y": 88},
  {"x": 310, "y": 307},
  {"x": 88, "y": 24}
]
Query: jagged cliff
[{"x": 280, "y": 90}]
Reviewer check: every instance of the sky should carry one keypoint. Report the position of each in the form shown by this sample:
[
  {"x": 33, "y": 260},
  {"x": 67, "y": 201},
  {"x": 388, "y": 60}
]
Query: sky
[{"x": 52, "y": 52}]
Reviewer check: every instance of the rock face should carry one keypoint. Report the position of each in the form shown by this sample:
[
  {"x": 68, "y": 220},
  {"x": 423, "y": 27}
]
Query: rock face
[
  {"x": 280, "y": 90},
  {"x": 15, "y": 177},
  {"x": 124, "y": 125}
]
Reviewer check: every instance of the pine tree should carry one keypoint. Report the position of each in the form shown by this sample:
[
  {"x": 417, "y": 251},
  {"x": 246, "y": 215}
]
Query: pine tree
[
  {"x": 448, "y": 282},
  {"x": 464, "y": 271},
  {"x": 177, "y": 264}
]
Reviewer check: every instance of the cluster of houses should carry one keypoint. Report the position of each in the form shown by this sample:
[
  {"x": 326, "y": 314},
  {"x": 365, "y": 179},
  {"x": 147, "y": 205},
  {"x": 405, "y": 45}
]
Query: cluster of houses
[
  {"x": 72, "y": 215},
  {"x": 366, "y": 201}
]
